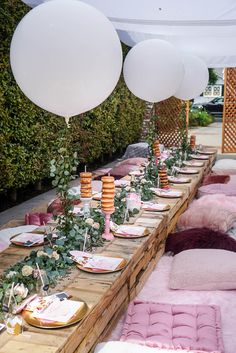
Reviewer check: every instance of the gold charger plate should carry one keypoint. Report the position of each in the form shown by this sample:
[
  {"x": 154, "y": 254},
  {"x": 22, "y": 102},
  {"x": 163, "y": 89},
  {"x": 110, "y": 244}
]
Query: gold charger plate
[
  {"x": 188, "y": 171},
  {"x": 31, "y": 320},
  {"x": 167, "y": 208},
  {"x": 24, "y": 244},
  {"x": 96, "y": 270},
  {"x": 179, "y": 181},
  {"x": 145, "y": 233},
  {"x": 207, "y": 152}
]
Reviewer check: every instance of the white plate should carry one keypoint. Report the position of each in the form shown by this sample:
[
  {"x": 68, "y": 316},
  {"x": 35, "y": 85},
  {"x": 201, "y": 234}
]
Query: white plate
[
  {"x": 170, "y": 193},
  {"x": 6, "y": 234},
  {"x": 179, "y": 180},
  {"x": 193, "y": 164},
  {"x": 188, "y": 171},
  {"x": 199, "y": 156},
  {"x": 207, "y": 152}
]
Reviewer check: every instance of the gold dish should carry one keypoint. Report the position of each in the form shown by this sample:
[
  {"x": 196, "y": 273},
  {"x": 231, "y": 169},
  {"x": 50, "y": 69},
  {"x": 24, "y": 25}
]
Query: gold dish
[
  {"x": 95, "y": 270},
  {"x": 24, "y": 244},
  {"x": 124, "y": 236},
  {"x": 46, "y": 324}
]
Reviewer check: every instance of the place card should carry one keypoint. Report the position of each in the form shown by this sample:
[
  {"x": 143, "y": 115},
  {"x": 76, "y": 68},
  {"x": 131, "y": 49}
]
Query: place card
[
  {"x": 199, "y": 156},
  {"x": 59, "y": 311},
  {"x": 167, "y": 192},
  {"x": 97, "y": 196},
  {"x": 102, "y": 263},
  {"x": 122, "y": 182},
  {"x": 131, "y": 231},
  {"x": 193, "y": 164},
  {"x": 151, "y": 206},
  {"x": 28, "y": 239},
  {"x": 136, "y": 173},
  {"x": 179, "y": 180},
  {"x": 188, "y": 171}
]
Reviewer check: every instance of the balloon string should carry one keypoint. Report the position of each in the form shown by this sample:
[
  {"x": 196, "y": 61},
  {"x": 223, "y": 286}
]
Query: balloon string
[{"x": 67, "y": 120}]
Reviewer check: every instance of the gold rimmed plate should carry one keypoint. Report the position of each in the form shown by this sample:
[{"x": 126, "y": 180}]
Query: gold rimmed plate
[
  {"x": 188, "y": 171},
  {"x": 181, "y": 180},
  {"x": 165, "y": 207},
  {"x": 207, "y": 152},
  {"x": 48, "y": 324},
  {"x": 94, "y": 270},
  {"x": 201, "y": 157},
  {"x": 28, "y": 243},
  {"x": 130, "y": 236}
]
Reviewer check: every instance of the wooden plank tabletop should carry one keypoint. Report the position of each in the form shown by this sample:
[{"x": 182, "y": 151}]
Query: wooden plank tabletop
[{"x": 107, "y": 295}]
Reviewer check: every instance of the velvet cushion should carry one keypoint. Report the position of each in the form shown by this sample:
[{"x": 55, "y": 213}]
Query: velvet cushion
[
  {"x": 190, "y": 327},
  {"x": 37, "y": 219},
  {"x": 215, "y": 218},
  {"x": 215, "y": 179},
  {"x": 212, "y": 189},
  {"x": 134, "y": 161},
  {"x": 199, "y": 238},
  {"x": 203, "y": 269}
]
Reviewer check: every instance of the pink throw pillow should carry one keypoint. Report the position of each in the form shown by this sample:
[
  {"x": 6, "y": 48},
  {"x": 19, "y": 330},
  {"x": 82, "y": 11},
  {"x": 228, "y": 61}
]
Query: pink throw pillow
[
  {"x": 203, "y": 269},
  {"x": 38, "y": 219},
  {"x": 217, "y": 219},
  {"x": 212, "y": 189}
]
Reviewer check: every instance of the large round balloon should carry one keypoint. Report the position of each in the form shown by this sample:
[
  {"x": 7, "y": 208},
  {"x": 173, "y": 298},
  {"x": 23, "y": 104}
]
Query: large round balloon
[
  {"x": 33, "y": 3},
  {"x": 153, "y": 70},
  {"x": 66, "y": 57},
  {"x": 195, "y": 78}
]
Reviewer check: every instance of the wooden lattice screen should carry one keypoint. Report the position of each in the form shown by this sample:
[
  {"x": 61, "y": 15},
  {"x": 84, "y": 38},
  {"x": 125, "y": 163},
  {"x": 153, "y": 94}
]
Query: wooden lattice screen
[
  {"x": 229, "y": 115},
  {"x": 172, "y": 119}
]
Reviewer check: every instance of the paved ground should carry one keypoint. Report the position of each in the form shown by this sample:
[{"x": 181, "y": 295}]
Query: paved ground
[{"x": 210, "y": 135}]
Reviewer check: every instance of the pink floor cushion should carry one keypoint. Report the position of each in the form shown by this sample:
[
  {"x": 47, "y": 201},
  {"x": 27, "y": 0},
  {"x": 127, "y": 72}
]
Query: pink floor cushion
[
  {"x": 134, "y": 161},
  {"x": 214, "y": 218},
  {"x": 120, "y": 171},
  {"x": 38, "y": 219},
  {"x": 199, "y": 238},
  {"x": 196, "y": 328},
  {"x": 217, "y": 201},
  {"x": 215, "y": 179},
  {"x": 212, "y": 189}
]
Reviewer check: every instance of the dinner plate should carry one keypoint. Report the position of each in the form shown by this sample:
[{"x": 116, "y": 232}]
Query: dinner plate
[
  {"x": 96, "y": 270},
  {"x": 193, "y": 164},
  {"x": 199, "y": 156},
  {"x": 169, "y": 193},
  {"x": 161, "y": 208},
  {"x": 46, "y": 324},
  {"x": 130, "y": 236},
  {"x": 27, "y": 244},
  {"x": 207, "y": 152},
  {"x": 181, "y": 180},
  {"x": 188, "y": 171}
]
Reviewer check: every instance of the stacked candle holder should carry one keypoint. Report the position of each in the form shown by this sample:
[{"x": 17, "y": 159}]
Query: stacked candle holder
[
  {"x": 86, "y": 191},
  {"x": 107, "y": 201},
  {"x": 192, "y": 142},
  {"x": 163, "y": 178},
  {"x": 156, "y": 149}
]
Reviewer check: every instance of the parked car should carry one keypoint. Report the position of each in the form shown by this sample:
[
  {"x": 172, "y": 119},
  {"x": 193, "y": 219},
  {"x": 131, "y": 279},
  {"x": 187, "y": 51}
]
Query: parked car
[{"x": 215, "y": 106}]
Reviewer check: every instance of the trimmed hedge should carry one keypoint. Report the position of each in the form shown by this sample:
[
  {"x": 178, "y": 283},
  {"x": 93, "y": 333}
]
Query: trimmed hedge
[
  {"x": 30, "y": 136},
  {"x": 200, "y": 118}
]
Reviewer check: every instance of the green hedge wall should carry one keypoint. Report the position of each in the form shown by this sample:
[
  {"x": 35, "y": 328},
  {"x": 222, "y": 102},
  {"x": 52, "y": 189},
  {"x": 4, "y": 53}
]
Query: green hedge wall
[{"x": 29, "y": 136}]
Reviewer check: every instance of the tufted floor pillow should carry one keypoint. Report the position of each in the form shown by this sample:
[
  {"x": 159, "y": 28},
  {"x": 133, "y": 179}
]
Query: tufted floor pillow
[
  {"x": 199, "y": 238},
  {"x": 215, "y": 179},
  {"x": 212, "y": 189},
  {"x": 191, "y": 327}
]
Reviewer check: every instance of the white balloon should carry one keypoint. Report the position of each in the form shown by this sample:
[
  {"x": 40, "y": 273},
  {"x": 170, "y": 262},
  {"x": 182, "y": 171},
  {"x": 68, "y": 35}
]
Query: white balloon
[
  {"x": 153, "y": 70},
  {"x": 66, "y": 57},
  {"x": 195, "y": 78},
  {"x": 33, "y": 3}
]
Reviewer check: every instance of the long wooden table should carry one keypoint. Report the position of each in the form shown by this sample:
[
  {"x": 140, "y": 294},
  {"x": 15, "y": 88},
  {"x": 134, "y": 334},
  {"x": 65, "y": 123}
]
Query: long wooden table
[{"x": 107, "y": 295}]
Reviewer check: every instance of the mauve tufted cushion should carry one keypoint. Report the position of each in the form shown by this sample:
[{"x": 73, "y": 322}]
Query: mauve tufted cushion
[
  {"x": 192, "y": 327},
  {"x": 199, "y": 238}
]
